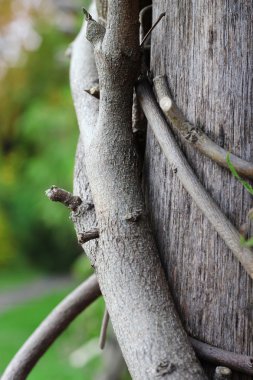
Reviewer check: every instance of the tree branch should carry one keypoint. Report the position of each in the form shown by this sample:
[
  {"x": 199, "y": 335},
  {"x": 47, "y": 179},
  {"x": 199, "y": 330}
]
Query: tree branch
[
  {"x": 56, "y": 194},
  {"x": 141, "y": 18},
  {"x": 102, "y": 338},
  {"x": 127, "y": 263},
  {"x": 193, "y": 135},
  {"x": 237, "y": 362},
  {"x": 77, "y": 301},
  {"x": 56, "y": 322},
  {"x": 189, "y": 180},
  {"x": 88, "y": 235},
  {"x": 151, "y": 29}
]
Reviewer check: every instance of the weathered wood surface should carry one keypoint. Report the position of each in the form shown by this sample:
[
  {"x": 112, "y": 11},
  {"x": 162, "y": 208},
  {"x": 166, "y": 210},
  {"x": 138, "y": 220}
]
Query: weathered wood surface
[{"x": 206, "y": 50}]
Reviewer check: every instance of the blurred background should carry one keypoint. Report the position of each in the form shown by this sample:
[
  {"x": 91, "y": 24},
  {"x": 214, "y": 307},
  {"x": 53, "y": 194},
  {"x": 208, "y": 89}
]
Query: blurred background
[{"x": 40, "y": 261}]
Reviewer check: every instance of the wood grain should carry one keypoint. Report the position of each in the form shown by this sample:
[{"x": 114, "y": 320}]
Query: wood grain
[{"x": 206, "y": 52}]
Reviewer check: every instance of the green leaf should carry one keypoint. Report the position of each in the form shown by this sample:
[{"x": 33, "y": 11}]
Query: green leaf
[
  {"x": 248, "y": 243},
  {"x": 247, "y": 186}
]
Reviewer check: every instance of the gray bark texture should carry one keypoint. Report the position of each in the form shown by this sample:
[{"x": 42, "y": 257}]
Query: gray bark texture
[
  {"x": 125, "y": 259},
  {"x": 206, "y": 51}
]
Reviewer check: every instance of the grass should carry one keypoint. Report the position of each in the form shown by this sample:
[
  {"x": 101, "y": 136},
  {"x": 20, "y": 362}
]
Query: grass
[
  {"x": 17, "y": 324},
  {"x": 12, "y": 277}
]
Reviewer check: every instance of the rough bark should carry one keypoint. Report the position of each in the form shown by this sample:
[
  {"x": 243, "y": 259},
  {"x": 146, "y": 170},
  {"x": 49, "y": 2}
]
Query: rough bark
[
  {"x": 127, "y": 265},
  {"x": 206, "y": 52},
  {"x": 188, "y": 179},
  {"x": 84, "y": 76},
  {"x": 86, "y": 219}
]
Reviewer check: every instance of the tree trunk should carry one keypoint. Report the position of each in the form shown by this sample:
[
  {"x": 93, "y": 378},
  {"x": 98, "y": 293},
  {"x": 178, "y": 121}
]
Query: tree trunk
[{"x": 205, "y": 48}]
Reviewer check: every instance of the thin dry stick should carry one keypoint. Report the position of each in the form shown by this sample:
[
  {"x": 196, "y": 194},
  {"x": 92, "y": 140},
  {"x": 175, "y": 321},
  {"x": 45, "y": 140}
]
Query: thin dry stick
[
  {"x": 237, "y": 362},
  {"x": 56, "y": 322},
  {"x": 188, "y": 178},
  {"x": 193, "y": 135},
  {"x": 102, "y": 338},
  {"x": 141, "y": 16},
  {"x": 152, "y": 28}
]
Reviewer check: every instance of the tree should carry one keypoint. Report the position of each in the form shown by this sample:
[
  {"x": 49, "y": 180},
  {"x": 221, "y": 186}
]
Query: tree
[{"x": 109, "y": 204}]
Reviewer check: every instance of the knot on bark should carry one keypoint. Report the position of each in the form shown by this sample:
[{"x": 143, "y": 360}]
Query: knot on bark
[
  {"x": 94, "y": 91},
  {"x": 165, "y": 367},
  {"x": 134, "y": 215},
  {"x": 193, "y": 133}
]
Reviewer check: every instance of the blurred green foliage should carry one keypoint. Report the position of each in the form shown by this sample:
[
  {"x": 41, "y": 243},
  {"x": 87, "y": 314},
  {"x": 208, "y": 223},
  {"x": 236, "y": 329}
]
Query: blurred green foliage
[
  {"x": 38, "y": 137},
  {"x": 55, "y": 364},
  {"x": 38, "y": 134}
]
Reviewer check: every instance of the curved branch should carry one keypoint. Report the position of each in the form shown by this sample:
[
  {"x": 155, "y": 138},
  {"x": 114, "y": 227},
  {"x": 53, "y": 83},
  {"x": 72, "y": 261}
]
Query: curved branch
[
  {"x": 237, "y": 362},
  {"x": 127, "y": 263},
  {"x": 141, "y": 18},
  {"x": 189, "y": 180},
  {"x": 151, "y": 29},
  {"x": 56, "y": 322},
  {"x": 70, "y": 308},
  {"x": 193, "y": 135}
]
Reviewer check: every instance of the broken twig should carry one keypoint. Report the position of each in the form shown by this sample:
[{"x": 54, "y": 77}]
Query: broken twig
[{"x": 56, "y": 194}]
